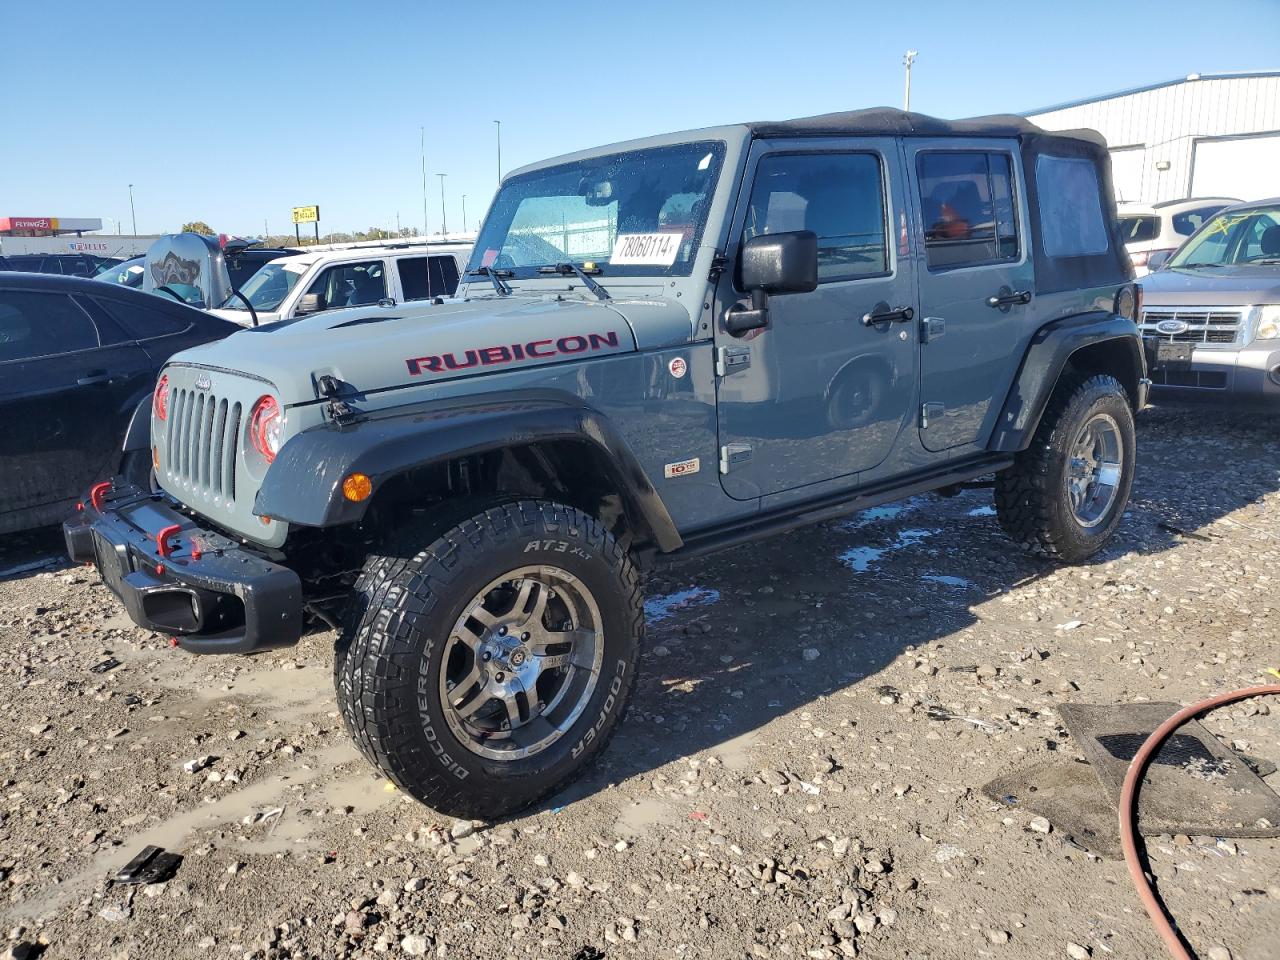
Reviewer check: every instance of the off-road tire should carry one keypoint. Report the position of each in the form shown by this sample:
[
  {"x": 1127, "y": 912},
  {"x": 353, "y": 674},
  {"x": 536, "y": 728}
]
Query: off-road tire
[
  {"x": 391, "y": 647},
  {"x": 1032, "y": 502}
]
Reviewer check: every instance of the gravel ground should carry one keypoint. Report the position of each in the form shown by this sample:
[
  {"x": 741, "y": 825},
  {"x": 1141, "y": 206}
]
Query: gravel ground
[{"x": 778, "y": 788}]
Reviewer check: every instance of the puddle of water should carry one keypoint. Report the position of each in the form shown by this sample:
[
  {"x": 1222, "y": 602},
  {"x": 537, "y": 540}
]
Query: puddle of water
[
  {"x": 859, "y": 559},
  {"x": 984, "y": 511},
  {"x": 638, "y": 819},
  {"x": 657, "y": 609},
  {"x": 947, "y": 581},
  {"x": 173, "y": 832},
  {"x": 360, "y": 792},
  {"x": 877, "y": 514}
]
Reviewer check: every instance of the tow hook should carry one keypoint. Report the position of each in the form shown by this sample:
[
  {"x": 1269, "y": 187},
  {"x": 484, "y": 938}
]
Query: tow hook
[
  {"x": 163, "y": 547},
  {"x": 97, "y": 493}
]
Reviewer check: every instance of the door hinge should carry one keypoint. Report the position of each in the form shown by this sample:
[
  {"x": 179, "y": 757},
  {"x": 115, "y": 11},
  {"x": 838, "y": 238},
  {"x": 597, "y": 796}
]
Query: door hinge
[
  {"x": 931, "y": 328},
  {"x": 931, "y": 411},
  {"x": 732, "y": 360},
  {"x": 734, "y": 455}
]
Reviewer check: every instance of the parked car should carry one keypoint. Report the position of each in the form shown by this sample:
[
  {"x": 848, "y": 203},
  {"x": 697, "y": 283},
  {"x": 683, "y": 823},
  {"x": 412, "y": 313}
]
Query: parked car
[
  {"x": 66, "y": 264},
  {"x": 242, "y": 262},
  {"x": 469, "y": 487},
  {"x": 1211, "y": 312},
  {"x": 312, "y": 282},
  {"x": 77, "y": 358},
  {"x": 1161, "y": 227}
]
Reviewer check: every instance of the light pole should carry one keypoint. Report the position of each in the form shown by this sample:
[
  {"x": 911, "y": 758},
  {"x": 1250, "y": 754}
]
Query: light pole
[
  {"x": 908, "y": 58},
  {"x": 425, "y": 229},
  {"x": 444, "y": 216},
  {"x": 133, "y": 213},
  {"x": 499, "y": 124},
  {"x": 464, "y": 213}
]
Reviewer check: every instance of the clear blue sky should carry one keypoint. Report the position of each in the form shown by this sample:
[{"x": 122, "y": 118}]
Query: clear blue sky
[{"x": 233, "y": 111}]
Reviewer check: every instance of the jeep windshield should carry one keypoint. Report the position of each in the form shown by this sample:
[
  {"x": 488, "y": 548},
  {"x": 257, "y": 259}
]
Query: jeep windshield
[
  {"x": 267, "y": 288},
  {"x": 639, "y": 213},
  {"x": 1238, "y": 237}
]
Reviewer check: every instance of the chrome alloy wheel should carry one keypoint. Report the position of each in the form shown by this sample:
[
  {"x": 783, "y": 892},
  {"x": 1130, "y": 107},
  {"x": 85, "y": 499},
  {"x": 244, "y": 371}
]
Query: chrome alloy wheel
[
  {"x": 522, "y": 662},
  {"x": 1094, "y": 472}
]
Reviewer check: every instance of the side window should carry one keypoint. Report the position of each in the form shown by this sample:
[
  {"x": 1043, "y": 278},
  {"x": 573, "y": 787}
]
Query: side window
[
  {"x": 350, "y": 284},
  {"x": 42, "y": 324},
  {"x": 1188, "y": 222},
  {"x": 142, "y": 323},
  {"x": 840, "y": 197},
  {"x": 1071, "y": 219},
  {"x": 422, "y": 278},
  {"x": 969, "y": 207}
]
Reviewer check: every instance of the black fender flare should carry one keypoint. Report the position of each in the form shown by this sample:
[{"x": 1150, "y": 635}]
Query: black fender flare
[
  {"x": 138, "y": 436},
  {"x": 1048, "y": 354},
  {"x": 304, "y": 484}
]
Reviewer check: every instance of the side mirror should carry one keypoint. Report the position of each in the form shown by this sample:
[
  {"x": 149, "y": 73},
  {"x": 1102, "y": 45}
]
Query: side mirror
[
  {"x": 773, "y": 263},
  {"x": 1158, "y": 259},
  {"x": 310, "y": 303}
]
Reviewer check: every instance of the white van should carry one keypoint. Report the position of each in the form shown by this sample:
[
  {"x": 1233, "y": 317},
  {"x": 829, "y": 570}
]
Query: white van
[{"x": 331, "y": 279}]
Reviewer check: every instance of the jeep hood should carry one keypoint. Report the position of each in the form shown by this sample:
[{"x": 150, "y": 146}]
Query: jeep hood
[
  {"x": 1230, "y": 286},
  {"x": 374, "y": 348}
]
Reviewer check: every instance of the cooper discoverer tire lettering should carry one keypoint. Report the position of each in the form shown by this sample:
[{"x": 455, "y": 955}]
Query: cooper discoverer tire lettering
[{"x": 482, "y": 666}]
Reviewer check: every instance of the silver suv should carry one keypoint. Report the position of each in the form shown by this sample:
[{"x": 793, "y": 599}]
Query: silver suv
[
  {"x": 1211, "y": 316},
  {"x": 1160, "y": 228}
]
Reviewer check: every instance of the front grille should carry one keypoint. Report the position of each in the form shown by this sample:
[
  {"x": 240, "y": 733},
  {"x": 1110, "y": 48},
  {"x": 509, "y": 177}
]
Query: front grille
[
  {"x": 203, "y": 440},
  {"x": 1208, "y": 326}
]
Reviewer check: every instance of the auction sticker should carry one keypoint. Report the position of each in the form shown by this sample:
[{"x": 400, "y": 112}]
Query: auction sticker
[
  {"x": 678, "y": 367},
  {"x": 646, "y": 249}
]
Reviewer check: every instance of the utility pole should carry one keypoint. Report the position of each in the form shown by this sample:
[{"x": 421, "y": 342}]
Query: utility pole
[
  {"x": 133, "y": 213},
  {"x": 464, "y": 213},
  {"x": 426, "y": 230},
  {"x": 499, "y": 124},
  {"x": 266, "y": 231},
  {"x": 444, "y": 216},
  {"x": 908, "y": 58}
]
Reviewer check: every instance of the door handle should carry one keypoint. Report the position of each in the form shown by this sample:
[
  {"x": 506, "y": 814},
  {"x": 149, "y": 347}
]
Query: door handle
[
  {"x": 1003, "y": 299},
  {"x": 98, "y": 376},
  {"x": 881, "y": 313}
]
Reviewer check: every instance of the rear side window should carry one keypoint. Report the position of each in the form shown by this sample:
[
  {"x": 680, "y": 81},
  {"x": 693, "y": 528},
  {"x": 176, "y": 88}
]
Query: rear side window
[
  {"x": 1071, "y": 219},
  {"x": 840, "y": 197},
  {"x": 422, "y": 278},
  {"x": 1139, "y": 229},
  {"x": 41, "y": 325},
  {"x": 1188, "y": 222},
  {"x": 143, "y": 323},
  {"x": 970, "y": 215}
]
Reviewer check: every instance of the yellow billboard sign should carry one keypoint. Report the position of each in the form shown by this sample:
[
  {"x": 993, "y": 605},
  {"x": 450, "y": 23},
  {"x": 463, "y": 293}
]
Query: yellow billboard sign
[{"x": 306, "y": 214}]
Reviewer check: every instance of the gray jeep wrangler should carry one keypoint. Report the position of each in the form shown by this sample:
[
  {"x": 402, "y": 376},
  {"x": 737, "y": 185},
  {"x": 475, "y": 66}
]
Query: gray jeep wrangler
[{"x": 661, "y": 348}]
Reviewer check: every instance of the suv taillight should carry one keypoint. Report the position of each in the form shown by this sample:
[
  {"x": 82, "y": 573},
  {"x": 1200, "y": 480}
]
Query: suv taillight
[
  {"x": 160, "y": 399},
  {"x": 265, "y": 427}
]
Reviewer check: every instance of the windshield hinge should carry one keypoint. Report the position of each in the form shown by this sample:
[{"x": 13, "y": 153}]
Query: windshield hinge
[{"x": 718, "y": 264}]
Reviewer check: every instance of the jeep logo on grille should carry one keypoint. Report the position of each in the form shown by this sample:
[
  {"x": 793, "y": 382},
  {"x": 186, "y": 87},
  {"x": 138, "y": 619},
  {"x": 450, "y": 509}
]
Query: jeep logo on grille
[
  {"x": 1172, "y": 327},
  {"x": 204, "y": 383}
]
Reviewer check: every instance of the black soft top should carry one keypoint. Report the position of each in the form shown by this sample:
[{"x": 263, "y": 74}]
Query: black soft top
[{"x": 889, "y": 122}]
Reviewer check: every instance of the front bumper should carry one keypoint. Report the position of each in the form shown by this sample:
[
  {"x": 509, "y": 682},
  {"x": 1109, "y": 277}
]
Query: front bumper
[
  {"x": 1252, "y": 371},
  {"x": 205, "y": 590}
]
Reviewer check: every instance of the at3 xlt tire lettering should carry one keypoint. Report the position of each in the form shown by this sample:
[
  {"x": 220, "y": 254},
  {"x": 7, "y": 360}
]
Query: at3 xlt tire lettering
[{"x": 397, "y": 629}]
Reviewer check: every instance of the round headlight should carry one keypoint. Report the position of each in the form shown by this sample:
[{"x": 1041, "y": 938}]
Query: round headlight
[{"x": 266, "y": 428}]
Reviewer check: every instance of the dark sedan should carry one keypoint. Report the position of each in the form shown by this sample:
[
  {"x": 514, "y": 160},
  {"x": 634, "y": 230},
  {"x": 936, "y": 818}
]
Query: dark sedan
[{"x": 78, "y": 363}]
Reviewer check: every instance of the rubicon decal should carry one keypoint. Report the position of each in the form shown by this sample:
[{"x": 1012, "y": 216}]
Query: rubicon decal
[{"x": 512, "y": 352}]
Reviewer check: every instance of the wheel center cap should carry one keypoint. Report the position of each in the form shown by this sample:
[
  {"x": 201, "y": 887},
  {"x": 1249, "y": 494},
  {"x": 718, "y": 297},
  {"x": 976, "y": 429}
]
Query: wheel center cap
[{"x": 517, "y": 657}]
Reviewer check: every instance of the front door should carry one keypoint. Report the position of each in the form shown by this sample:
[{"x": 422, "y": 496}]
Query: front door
[
  {"x": 824, "y": 390},
  {"x": 975, "y": 282}
]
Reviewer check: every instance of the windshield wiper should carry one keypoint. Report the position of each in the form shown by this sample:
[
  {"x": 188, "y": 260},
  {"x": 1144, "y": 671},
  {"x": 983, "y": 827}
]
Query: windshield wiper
[
  {"x": 587, "y": 281},
  {"x": 496, "y": 276}
]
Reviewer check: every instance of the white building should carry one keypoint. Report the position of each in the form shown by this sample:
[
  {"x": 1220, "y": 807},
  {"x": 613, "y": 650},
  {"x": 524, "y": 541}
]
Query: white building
[{"x": 1208, "y": 135}]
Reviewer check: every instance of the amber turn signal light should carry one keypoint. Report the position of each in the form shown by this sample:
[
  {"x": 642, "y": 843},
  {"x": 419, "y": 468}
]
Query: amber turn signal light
[{"x": 357, "y": 487}]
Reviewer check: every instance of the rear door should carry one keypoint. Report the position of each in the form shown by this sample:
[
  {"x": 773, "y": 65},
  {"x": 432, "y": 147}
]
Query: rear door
[
  {"x": 824, "y": 391},
  {"x": 975, "y": 283},
  {"x": 65, "y": 398}
]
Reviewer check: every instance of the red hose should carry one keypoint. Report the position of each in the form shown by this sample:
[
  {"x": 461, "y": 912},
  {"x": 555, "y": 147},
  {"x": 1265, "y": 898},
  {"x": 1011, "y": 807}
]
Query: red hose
[{"x": 1129, "y": 809}]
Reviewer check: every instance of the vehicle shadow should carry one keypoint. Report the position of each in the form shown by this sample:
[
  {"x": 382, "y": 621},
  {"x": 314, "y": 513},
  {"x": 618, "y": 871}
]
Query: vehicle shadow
[{"x": 741, "y": 638}]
